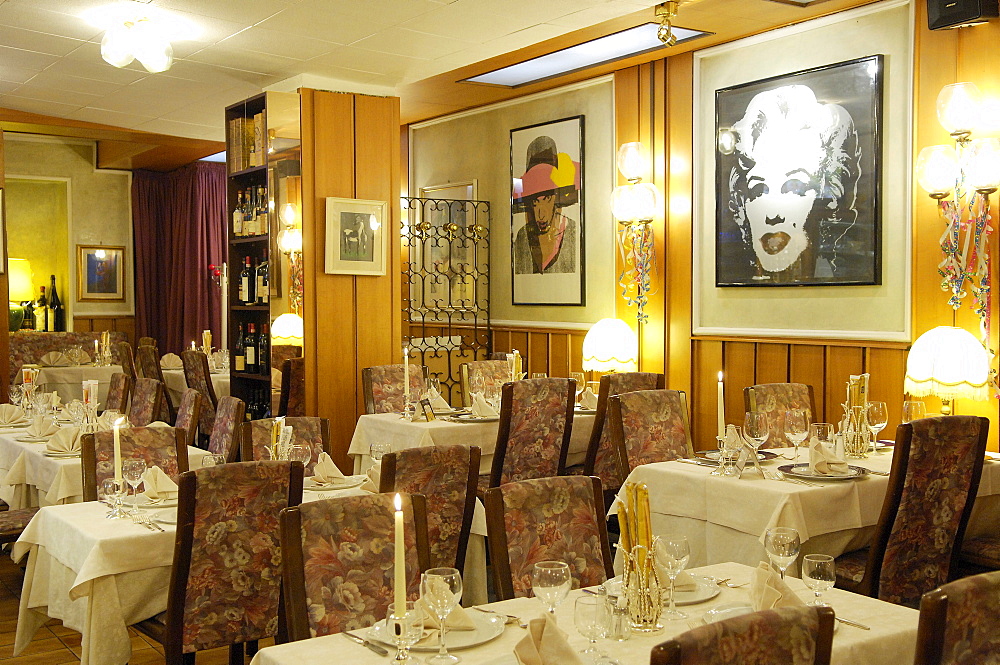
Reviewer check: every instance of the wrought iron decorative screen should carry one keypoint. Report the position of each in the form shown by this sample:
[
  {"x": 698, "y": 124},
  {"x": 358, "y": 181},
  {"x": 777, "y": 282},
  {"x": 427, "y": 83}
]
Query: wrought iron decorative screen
[{"x": 446, "y": 270}]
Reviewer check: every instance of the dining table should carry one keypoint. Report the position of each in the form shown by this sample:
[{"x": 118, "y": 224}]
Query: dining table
[
  {"x": 68, "y": 380},
  {"x": 890, "y": 640},
  {"x": 176, "y": 384}
]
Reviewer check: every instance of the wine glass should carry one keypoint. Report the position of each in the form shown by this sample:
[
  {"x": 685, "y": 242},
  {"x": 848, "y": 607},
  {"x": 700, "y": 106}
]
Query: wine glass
[
  {"x": 796, "y": 428},
  {"x": 878, "y": 416},
  {"x": 550, "y": 580},
  {"x": 720, "y": 470},
  {"x": 586, "y": 616},
  {"x": 756, "y": 428},
  {"x": 113, "y": 491},
  {"x": 15, "y": 395},
  {"x": 132, "y": 470},
  {"x": 301, "y": 452},
  {"x": 580, "y": 383},
  {"x": 212, "y": 460},
  {"x": 822, "y": 432},
  {"x": 819, "y": 572},
  {"x": 782, "y": 546},
  {"x": 406, "y": 628},
  {"x": 379, "y": 449},
  {"x": 672, "y": 552},
  {"x": 914, "y": 410},
  {"x": 731, "y": 447},
  {"x": 441, "y": 589}
]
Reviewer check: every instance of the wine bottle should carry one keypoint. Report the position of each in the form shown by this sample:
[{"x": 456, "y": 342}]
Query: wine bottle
[
  {"x": 263, "y": 297},
  {"x": 264, "y": 351},
  {"x": 57, "y": 314},
  {"x": 250, "y": 218},
  {"x": 238, "y": 215},
  {"x": 240, "y": 354},
  {"x": 251, "y": 349},
  {"x": 42, "y": 313},
  {"x": 262, "y": 211},
  {"x": 247, "y": 283}
]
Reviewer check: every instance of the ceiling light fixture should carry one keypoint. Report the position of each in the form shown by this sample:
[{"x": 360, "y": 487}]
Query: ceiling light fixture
[{"x": 134, "y": 30}]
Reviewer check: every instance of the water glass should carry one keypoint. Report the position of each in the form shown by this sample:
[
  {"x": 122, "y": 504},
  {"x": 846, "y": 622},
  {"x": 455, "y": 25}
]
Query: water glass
[
  {"x": 878, "y": 417},
  {"x": 822, "y": 432},
  {"x": 731, "y": 448},
  {"x": 301, "y": 452},
  {"x": 406, "y": 628},
  {"x": 819, "y": 572},
  {"x": 551, "y": 581},
  {"x": 379, "y": 449},
  {"x": 15, "y": 395},
  {"x": 114, "y": 492},
  {"x": 132, "y": 470},
  {"x": 586, "y": 617},
  {"x": 539, "y": 375},
  {"x": 673, "y": 553},
  {"x": 212, "y": 460},
  {"x": 782, "y": 546},
  {"x": 914, "y": 410},
  {"x": 580, "y": 383},
  {"x": 755, "y": 427},
  {"x": 796, "y": 428},
  {"x": 441, "y": 590}
]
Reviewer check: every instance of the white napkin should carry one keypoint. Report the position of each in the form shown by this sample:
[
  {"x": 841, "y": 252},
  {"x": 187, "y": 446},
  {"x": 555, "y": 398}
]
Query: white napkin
[
  {"x": 157, "y": 484},
  {"x": 588, "y": 399},
  {"x": 768, "y": 591},
  {"x": 66, "y": 440},
  {"x": 823, "y": 461},
  {"x": 374, "y": 478},
  {"x": 684, "y": 581},
  {"x": 42, "y": 427},
  {"x": 438, "y": 403},
  {"x": 171, "y": 361},
  {"x": 326, "y": 471},
  {"x": 545, "y": 644},
  {"x": 158, "y": 423},
  {"x": 55, "y": 359},
  {"x": 56, "y": 400},
  {"x": 457, "y": 619},
  {"x": 10, "y": 414},
  {"x": 275, "y": 379},
  {"x": 482, "y": 408},
  {"x": 78, "y": 356}
]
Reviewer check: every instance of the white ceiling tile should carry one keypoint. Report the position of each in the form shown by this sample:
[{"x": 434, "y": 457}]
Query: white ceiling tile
[
  {"x": 473, "y": 20},
  {"x": 59, "y": 82},
  {"x": 109, "y": 117},
  {"x": 224, "y": 77},
  {"x": 39, "y": 106},
  {"x": 275, "y": 42},
  {"x": 32, "y": 16},
  {"x": 174, "y": 128},
  {"x": 94, "y": 68},
  {"x": 325, "y": 20},
  {"x": 362, "y": 60},
  {"x": 37, "y": 41},
  {"x": 21, "y": 59},
  {"x": 248, "y": 11},
  {"x": 246, "y": 60},
  {"x": 51, "y": 94},
  {"x": 7, "y": 86},
  {"x": 399, "y": 41}
]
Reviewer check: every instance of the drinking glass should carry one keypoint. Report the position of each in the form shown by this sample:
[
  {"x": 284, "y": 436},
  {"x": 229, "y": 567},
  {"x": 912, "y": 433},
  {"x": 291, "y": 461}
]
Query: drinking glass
[
  {"x": 15, "y": 395},
  {"x": 550, "y": 580},
  {"x": 819, "y": 572},
  {"x": 586, "y": 616},
  {"x": 878, "y": 416},
  {"x": 539, "y": 375},
  {"x": 379, "y": 449},
  {"x": 580, "y": 383},
  {"x": 510, "y": 366},
  {"x": 673, "y": 552},
  {"x": 782, "y": 546},
  {"x": 132, "y": 470},
  {"x": 823, "y": 432},
  {"x": 755, "y": 428},
  {"x": 731, "y": 448},
  {"x": 212, "y": 460},
  {"x": 406, "y": 628},
  {"x": 720, "y": 470},
  {"x": 434, "y": 383},
  {"x": 113, "y": 492},
  {"x": 441, "y": 589},
  {"x": 796, "y": 428},
  {"x": 914, "y": 410},
  {"x": 301, "y": 452}
]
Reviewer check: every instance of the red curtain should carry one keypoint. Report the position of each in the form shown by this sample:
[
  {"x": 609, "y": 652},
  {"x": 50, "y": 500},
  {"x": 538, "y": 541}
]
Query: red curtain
[{"x": 179, "y": 226}]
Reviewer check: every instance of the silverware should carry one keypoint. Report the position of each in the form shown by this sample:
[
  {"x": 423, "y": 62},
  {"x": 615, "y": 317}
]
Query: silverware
[
  {"x": 877, "y": 473},
  {"x": 510, "y": 618},
  {"x": 780, "y": 475},
  {"x": 686, "y": 460},
  {"x": 852, "y": 623},
  {"x": 362, "y": 641},
  {"x": 150, "y": 523}
]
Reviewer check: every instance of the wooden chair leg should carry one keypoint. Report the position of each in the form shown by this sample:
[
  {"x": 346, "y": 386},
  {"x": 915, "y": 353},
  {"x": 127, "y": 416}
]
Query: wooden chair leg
[
  {"x": 236, "y": 654},
  {"x": 252, "y": 648}
]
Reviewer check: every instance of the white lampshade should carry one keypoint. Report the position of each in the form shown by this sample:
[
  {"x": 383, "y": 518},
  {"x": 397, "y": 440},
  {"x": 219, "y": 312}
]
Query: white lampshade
[
  {"x": 287, "y": 329},
  {"x": 937, "y": 169},
  {"x": 983, "y": 171},
  {"x": 958, "y": 107},
  {"x": 634, "y": 203},
  {"x": 610, "y": 346},
  {"x": 949, "y": 363},
  {"x": 632, "y": 162},
  {"x": 20, "y": 280}
]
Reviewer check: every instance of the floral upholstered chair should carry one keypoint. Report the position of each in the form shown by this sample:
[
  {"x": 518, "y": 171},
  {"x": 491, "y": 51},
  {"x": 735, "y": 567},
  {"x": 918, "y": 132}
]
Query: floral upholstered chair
[
  {"x": 187, "y": 414},
  {"x": 198, "y": 377},
  {"x": 315, "y": 432},
  {"x": 982, "y": 551},
  {"x": 14, "y": 522},
  {"x": 118, "y": 392},
  {"x": 127, "y": 360},
  {"x": 491, "y": 374},
  {"x": 936, "y": 467},
  {"x": 383, "y": 386},
  {"x": 447, "y": 476},
  {"x": 958, "y": 622},
  {"x": 649, "y": 426},
  {"x": 536, "y": 420},
  {"x": 776, "y": 398},
  {"x": 338, "y": 572},
  {"x": 788, "y": 635},
  {"x": 147, "y": 341},
  {"x": 226, "y": 581},
  {"x": 147, "y": 402},
  {"x": 292, "y": 401},
  {"x": 559, "y": 519},
  {"x": 156, "y": 446},
  {"x": 149, "y": 364},
  {"x": 225, "y": 434}
]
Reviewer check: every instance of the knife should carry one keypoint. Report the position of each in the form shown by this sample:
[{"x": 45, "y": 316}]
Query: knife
[
  {"x": 696, "y": 462},
  {"x": 852, "y": 623},
  {"x": 360, "y": 640}
]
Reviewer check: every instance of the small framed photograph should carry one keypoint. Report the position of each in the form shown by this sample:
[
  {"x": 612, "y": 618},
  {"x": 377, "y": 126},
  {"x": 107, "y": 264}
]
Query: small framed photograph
[
  {"x": 356, "y": 238},
  {"x": 425, "y": 406},
  {"x": 100, "y": 273}
]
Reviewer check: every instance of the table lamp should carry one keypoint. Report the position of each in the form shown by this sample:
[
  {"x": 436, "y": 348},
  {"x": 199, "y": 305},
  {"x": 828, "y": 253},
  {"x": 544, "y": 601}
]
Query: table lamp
[
  {"x": 19, "y": 289},
  {"x": 287, "y": 329},
  {"x": 610, "y": 346},
  {"x": 950, "y": 363}
]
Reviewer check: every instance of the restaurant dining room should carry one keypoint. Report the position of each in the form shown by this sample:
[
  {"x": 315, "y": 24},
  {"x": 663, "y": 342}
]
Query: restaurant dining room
[{"x": 609, "y": 332}]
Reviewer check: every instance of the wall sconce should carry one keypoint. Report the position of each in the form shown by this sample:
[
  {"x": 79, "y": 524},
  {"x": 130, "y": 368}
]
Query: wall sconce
[
  {"x": 968, "y": 173},
  {"x": 290, "y": 243},
  {"x": 634, "y": 206}
]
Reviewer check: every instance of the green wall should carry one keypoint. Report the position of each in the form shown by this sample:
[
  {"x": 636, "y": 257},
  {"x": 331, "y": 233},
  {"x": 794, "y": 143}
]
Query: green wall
[{"x": 38, "y": 229}]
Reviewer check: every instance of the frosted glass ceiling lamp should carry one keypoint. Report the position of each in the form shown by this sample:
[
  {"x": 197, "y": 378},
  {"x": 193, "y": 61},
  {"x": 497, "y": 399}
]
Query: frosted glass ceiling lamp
[
  {"x": 950, "y": 363},
  {"x": 139, "y": 31},
  {"x": 610, "y": 346}
]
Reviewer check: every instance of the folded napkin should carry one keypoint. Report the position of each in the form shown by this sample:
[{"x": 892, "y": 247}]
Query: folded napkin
[
  {"x": 107, "y": 420},
  {"x": 66, "y": 440},
  {"x": 171, "y": 361},
  {"x": 684, "y": 581},
  {"x": 42, "y": 427},
  {"x": 768, "y": 591},
  {"x": 373, "y": 479},
  {"x": 157, "y": 484},
  {"x": 438, "y": 403},
  {"x": 55, "y": 359},
  {"x": 10, "y": 414},
  {"x": 326, "y": 471},
  {"x": 823, "y": 461},
  {"x": 56, "y": 400},
  {"x": 588, "y": 399},
  {"x": 457, "y": 619},
  {"x": 545, "y": 644},
  {"x": 158, "y": 423},
  {"x": 482, "y": 408}
]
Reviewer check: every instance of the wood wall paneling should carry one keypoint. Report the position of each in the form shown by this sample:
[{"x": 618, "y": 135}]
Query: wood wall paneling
[
  {"x": 125, "y": 324},
  {"x": 5, "y": 337}
]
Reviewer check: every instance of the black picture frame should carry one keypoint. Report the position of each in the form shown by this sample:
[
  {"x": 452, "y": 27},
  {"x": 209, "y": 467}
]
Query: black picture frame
[
  {"x": 546, "y": 167},
  {"x": 820, "y": 229}
]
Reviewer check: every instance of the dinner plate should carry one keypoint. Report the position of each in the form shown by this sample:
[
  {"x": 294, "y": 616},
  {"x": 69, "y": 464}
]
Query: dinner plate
[
  {"x": 470, "y": 418},
  {"x": 488, "y": 627},
  {"x": 346, "y": 483},
  {"x": 713, "y": 455},
  {"x": 50, "y": 453},
  {"x": 802, "y": 471},
  {"x": 584, "y": 411},
  {"x": 706, "y": 589},
  {"x": 143, "y": 502},
  {"x": 726, "y": 611},
  {"x": 164, "y": 516},
  {"x": 33, "y": 439}
]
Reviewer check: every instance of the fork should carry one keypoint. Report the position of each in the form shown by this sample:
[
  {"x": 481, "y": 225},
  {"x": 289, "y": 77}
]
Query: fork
[
  {"x": 148, "y": 523},
  {"x": 509, "y": 618},
  {"x": 780, "y": 475}
]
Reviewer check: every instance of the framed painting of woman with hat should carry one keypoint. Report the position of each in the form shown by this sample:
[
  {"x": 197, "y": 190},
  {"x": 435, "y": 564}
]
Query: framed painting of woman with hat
[{"x": 547, "y": 232}]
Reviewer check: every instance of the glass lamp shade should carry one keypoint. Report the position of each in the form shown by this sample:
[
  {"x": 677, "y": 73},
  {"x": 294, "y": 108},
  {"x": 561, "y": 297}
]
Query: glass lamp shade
[
  {"x": 634, "y": 203},
  {"x": 116, "y": 47},
  {"x": 290, "y": 240},
  {"x": 20, "y": 280},
  {"x": 287, "y": 329},
  {"x": 632, "y": 162},
  {"x": 937, "y": 169},
  {"x": 982, "y": 172},
  {"x": 610, "y": 346},
  {"x": 288, "y": 214},
  {"x": 950, "y": 363},
  {"x": 958, "y": 108}
]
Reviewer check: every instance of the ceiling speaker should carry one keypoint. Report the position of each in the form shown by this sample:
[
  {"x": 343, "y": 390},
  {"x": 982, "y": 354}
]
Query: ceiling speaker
[{"x": 959, "y": 13}]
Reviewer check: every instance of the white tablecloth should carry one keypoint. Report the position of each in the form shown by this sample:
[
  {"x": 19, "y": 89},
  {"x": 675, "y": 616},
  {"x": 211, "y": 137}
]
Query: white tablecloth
[
  {"x": 891, "y": 640},
  {"x": 176, "y": 384},
  {"x": 402, "y": 434},
  {"x": 68, "y": 381}
]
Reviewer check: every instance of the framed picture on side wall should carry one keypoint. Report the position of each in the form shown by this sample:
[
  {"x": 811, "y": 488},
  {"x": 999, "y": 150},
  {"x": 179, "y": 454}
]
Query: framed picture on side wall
[
  {"x": 100, "y": 273},
  {"x": 356, "y": 241},
  {"x": 547, "y": 230}
]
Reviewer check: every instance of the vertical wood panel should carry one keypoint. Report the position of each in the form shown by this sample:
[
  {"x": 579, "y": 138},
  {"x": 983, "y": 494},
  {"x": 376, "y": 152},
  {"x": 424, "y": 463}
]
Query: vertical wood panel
[
  {"x": 807, "y": 364},
  {"x": 887, "y": 368},
  {"x": 708, "y": 361},
  {"x": 740, "y": 364},
  {"x": 772, "y": 363},
  {"x": 538, "y": 353},
  {"x": 5, "y": 336},
  {"x": 559, "y": 353},
  {"x": 841, "y": 363}
]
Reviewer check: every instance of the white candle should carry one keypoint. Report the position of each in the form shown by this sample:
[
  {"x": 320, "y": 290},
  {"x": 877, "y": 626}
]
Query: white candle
[
  {"x": 722, "y": 409},
  {"x": 406, "y": 376},
  {"x": 118, "y": 449},
  {"x": 400, "y": 559},
  {"x": 193, "y": 346},
  {"x": 96, "y": 348}
]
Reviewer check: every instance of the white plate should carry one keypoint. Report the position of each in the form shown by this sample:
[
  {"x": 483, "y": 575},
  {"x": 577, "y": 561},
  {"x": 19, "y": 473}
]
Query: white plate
[
  {"x": 488, "y": 627},
  {"x": 802, "y": 471},
  {"x": 143, "y": 502},
  {"x": 727, "y": 611},
  {"x": 33, "y": 439},
  {"x": 164, "y": 516},
  {"x": 347, "y": 483},
  {"x": 49, "y": 453},
  {"x": 469, "y": 418},
  {"x": 585, "y": 412},
  {"x": 706, "y": 589}
]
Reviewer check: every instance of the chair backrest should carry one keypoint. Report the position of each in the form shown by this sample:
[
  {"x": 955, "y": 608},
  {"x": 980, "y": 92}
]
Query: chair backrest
[
  {"x": 560, "y": 519},
  {"x": 492, "y": 374},
  {"x": 383, "y": 386},
  {"x": 147, "y": 402},
  {"x": 536, "y": 420},
  {"x": 119, "y": 390},
  {"x": 225, "y": 434},
  {"x": 127, "y": 360},
  {"x": 148, "y": 358},
  {"x": 147, "y": 341},
  {"x": 447, "y": 476},
  {"x": 602, "y": 455},
  {"x": 958, "y": 622},
  {"x": 256, "y": 434},
  {"x": 788, "y": 635},
  {"x": 292, "y": 401},
  {"x": 225, "y": 586},
  {"x": 347, "y": 542},
  {"x": 282, "y": 352},
  {"x": 198, "y": 376},
  {"x": 187, "y": 414},
  {"x": 936, "y": 467},
  {"x": 649, "y": 426},
  {"x": 776, "y": 398},
  {"x": 164, "y": 447}
]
